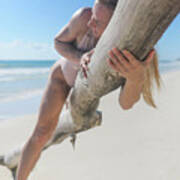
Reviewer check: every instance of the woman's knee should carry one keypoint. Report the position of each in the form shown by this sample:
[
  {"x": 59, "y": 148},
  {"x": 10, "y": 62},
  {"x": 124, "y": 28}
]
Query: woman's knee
[
  {"x": 56, "y": 72},
  {"x": 57, "y": 78}
]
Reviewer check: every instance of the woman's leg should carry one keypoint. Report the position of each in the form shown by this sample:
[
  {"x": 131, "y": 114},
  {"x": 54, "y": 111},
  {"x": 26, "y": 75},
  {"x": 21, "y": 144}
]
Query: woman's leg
[
  {"x": 52, "y": 102},
  {"x": 53, "y": 98}
]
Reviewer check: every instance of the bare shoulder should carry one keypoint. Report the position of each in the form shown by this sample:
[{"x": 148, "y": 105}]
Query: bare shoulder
[
  {"x": 83, "y": 14},
  {"x": 79, "y": 21},
  {"x": 76, "y": 26}
]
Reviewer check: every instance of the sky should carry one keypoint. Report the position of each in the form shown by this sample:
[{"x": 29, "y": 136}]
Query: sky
[{"x": 28, "y": 28}]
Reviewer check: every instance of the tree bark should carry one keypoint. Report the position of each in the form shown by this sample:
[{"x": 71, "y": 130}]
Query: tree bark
[{"x": 136, "y": 25}]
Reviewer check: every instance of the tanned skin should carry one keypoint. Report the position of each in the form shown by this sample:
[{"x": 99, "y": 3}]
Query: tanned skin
[{"x": 55, "y": 93}]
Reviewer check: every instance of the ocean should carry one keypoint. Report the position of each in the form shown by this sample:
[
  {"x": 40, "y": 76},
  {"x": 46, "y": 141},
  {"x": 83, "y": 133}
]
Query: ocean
[{"x": 22, "y": 84}]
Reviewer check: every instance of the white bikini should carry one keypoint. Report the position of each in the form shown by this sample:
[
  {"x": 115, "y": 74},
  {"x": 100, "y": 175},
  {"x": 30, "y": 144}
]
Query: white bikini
[{"x": 69, "y": 68}]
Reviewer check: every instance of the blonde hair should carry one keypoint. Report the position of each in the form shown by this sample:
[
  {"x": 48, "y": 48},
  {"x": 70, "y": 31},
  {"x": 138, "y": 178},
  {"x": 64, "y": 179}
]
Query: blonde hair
[{"x": 152, "y": 76}]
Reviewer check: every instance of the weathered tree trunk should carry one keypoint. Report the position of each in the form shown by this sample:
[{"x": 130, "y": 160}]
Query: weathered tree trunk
[{"x": 136, "y": 25}]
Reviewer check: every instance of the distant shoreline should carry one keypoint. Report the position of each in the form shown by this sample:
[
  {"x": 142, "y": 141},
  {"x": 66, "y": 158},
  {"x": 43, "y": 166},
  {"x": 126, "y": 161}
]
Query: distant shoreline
[{"x": 28, "y": 59}]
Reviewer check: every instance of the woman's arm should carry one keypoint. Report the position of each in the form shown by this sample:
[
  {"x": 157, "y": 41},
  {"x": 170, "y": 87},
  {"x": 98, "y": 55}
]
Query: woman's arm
[
  {"x": 134, "y": 72},
  {"x": 130, "y": 94}
]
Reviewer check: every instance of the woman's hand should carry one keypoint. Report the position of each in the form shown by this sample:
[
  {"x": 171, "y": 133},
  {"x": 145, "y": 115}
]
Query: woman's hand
[
  {"x": 85, "y": 60},
  {"x": 128, "y": 66}
]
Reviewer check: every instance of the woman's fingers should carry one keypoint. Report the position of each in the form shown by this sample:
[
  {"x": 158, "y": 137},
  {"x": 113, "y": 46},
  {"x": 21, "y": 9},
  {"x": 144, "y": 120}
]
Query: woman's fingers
[
  {"x": 84, "y": 69},
  {"x": 122, "y": 58},
  {"x": 116, "y": 63},
  {"x": 85, "y": 61},
  {"x": 149, "y": 58},
  {"x": 132, "y": 60},
  {"x": 113, "y": 66},
  {"x": 84, "y": 64},
  {"x": 136, "y": 62}
]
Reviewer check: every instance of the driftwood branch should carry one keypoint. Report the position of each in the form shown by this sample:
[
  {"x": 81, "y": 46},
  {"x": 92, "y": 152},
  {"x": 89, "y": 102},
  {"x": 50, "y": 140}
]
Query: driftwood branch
[{"x": 136, "y": 25}]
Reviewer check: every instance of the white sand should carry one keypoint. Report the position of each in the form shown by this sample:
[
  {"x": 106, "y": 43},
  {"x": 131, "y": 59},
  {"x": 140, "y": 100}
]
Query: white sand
[{"x": 138, "y": 144}]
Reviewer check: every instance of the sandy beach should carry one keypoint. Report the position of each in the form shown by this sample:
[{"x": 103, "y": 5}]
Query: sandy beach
[{"x": 137, "y": 144}]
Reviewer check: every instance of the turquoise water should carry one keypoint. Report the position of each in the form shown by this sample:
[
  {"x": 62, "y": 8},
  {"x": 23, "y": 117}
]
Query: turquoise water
[
  {"x": 22, "y": 84},
  {"x": 22, "y": 78}
]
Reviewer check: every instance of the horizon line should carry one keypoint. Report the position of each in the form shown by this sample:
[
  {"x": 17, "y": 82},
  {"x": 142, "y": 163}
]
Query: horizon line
[{"x": 28, "y": 59}]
